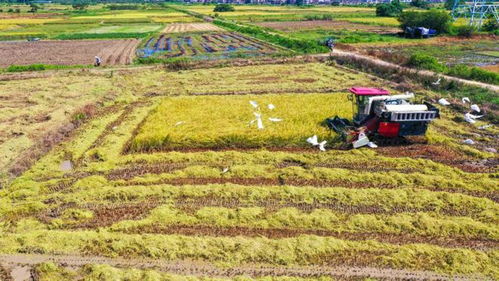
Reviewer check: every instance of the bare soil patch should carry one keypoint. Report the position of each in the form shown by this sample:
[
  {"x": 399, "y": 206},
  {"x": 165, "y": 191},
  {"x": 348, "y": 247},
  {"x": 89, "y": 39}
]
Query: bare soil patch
[
  {"x": 327, "y": 24},
  {"x": 72, "y": 52}
]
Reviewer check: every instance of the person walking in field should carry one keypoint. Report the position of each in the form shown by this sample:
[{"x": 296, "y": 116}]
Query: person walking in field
[
  {"x": 97, "y": 61},
  {"x": 330, "y": 44}
]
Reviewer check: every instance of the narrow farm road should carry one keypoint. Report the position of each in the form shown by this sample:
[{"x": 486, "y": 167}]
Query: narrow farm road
[
  {"x": 19, "y": 262},
  {"x": 427, "y": 73}
]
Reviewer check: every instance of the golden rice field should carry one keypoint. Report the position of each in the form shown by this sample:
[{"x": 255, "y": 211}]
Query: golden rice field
[
  {"x": 132, "y": 194},
  {"x": 222, "y": 122},
  {"x": 375, "y": 20}
]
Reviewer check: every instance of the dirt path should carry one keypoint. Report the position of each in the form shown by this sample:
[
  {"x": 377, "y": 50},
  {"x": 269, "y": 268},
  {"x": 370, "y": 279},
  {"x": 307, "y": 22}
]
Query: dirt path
[
  {"x": 427, "y": 73},
  {"x": 17, "y": 261}
]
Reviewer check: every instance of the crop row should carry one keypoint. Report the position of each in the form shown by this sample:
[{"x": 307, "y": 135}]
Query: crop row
[
  {"x": 302, "y": 250},
  {"x": 202, "y": 45},
  {"x": 49, "y": 271},
  {"x": 422, "y": 224}
]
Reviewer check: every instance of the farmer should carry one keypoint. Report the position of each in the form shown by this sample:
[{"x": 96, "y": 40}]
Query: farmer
[
  {"x": 97, "y": 61},
  {"x": 330, "y": 44}
]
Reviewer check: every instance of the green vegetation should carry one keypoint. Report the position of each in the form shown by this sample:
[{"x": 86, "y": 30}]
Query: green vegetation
[
  {"x": 392, "y": 9},
  {"x": 434, "y": 19},
  {"x": 302, "y": 46},
  {"x": 40, "y": 67},
  {"x": 474, "y": 73},
  {"x": 424, "y": 61},
  {"x": 223, "y": 8}
]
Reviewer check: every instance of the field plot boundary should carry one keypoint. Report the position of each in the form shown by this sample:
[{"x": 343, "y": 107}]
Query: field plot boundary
[{"x": 207, "y": 269}]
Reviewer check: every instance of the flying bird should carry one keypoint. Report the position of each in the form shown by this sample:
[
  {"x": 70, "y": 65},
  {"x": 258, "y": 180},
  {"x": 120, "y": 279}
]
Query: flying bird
[
  {"x": 253, "y": 103},
  {"x": 436, "y": 83},
  {"x": 225, "y": 170},
  {"x": 475, "y": 108},
  {"x": 465, "y": 100}
]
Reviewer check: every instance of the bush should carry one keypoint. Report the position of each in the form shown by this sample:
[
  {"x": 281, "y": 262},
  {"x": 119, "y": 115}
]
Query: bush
[
  {"x": 420, "y": 4},
  {"x": 319, "y": 17},
  {"x": 466, "y": 31},
  {"x": 491, "y": 25},
  {"x": 423, "y": 61},
  {"x": 19, "y": 68},
  {"x": 434, "y": 19},
  {"x": 123, "y": 7},
  {"x": 39, "y": 67},
  {"x": 389, "y": 10},
  {"x": 449, "y": 4},
  {"x": 80, "y": 6},
  {"x": 474, "y": 73},
  {"x": 223, "y": 8},
  {"x": 177, "y": 63}
]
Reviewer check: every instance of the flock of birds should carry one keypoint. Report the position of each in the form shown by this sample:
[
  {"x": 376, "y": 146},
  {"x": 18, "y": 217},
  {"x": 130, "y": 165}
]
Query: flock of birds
[{"x": 469, "y": 117}]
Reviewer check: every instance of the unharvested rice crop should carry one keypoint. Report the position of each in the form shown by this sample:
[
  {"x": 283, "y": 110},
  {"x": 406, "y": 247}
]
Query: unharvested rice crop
[
  {"x": 179, "y": 19},
  {"x": 133, "y": 15},
  {"x": 67, "y": 52},
  {"x": 124, "y": 29},
  {"x": 21, "y": 21},
  {"x": 293, "y": 26},
  {"x": 190, "y": 27},
  {"x": 221, "y": 122},
  {"x": 374, "y": 20},
  {"x": 424, "y": 211}
]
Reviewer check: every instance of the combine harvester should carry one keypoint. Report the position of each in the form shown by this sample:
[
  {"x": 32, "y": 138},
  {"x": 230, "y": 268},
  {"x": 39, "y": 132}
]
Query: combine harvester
[{"x": 384, "y": 118}]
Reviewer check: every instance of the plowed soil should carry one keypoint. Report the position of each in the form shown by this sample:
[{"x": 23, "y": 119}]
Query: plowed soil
[
  {"x": 111, "y": 52},
  {"x": 190, "y": 27}
]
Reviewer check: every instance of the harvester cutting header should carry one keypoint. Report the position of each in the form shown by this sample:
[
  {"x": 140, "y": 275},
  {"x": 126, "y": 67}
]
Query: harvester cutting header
[{"x": 383, "y": 117}]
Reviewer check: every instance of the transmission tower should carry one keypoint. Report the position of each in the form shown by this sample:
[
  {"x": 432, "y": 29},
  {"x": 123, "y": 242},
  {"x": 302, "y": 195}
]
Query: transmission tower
[{"x": 475, "y": 11}]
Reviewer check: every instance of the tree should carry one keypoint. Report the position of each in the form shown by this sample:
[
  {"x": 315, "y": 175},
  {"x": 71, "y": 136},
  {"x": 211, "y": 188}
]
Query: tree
[
  {"x": 389, "y": 10},
  {"x": 435, "y": 19},
  {"x": 223, "y": 8},
  {"x": 33, "y": 8},
  {"x": 449, "y": 4},
  {"x": 80, "y": 6},
  {"x": 420, "y": 4},
  {"x": 491, "y": 25}
]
